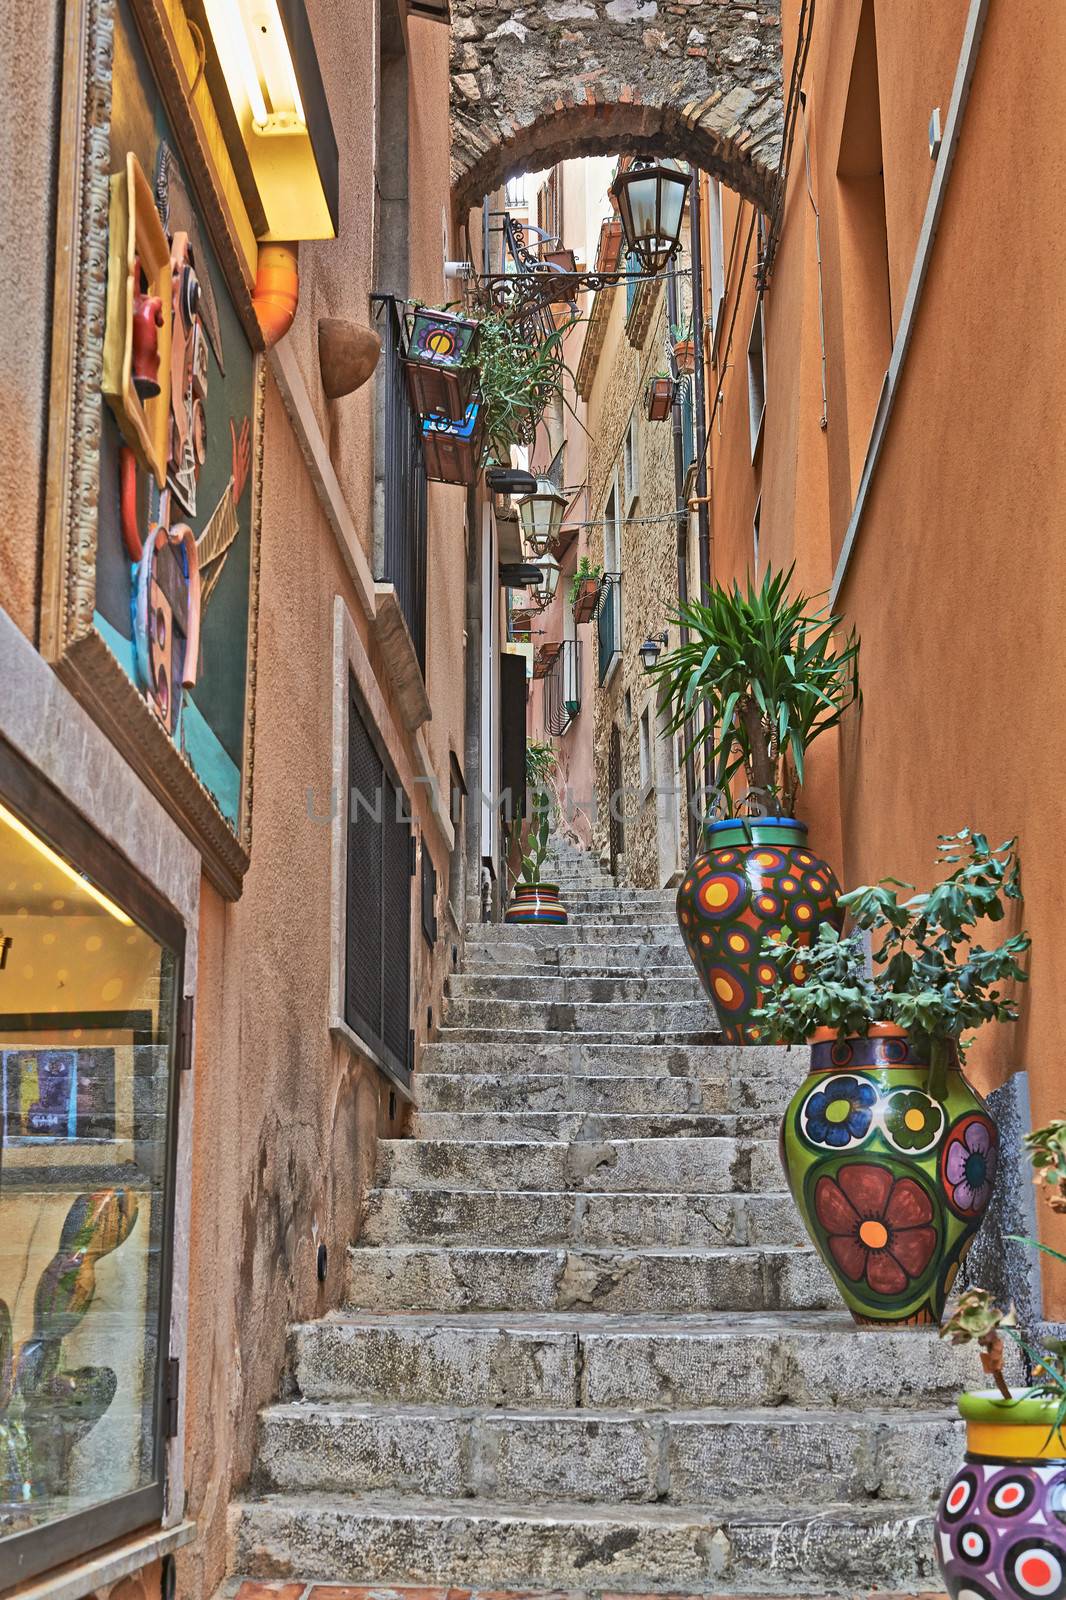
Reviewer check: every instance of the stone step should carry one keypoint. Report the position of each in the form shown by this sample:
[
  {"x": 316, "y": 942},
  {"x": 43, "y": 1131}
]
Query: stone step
[
  {"x": 637, "y": 1166},
  {"x": 492, "y": 1038},
  {"x": 501, "y": 1216},
  {"x": 578, "y": 1016},
  {"x": 576, "y": 1054},
  {"x": 561, "y": 1091},
  {"x": 418, "y": 1277},
  {"x": 559, "y": 988},
  {"x": 774, "y": 1550},
  {"x": 683, "y": 1458},
  {"x": 588, "y": 1127},
  {"x": 648, "y": 930},
  {"x": 667, "y": 958},
  {"x": 568, "y": 1359}
]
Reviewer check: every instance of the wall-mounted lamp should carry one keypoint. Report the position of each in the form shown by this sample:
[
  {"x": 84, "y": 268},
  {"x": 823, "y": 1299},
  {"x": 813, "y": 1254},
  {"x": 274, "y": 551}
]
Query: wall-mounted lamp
[
  {"x": 651, "y": 203},
  {"x": 544, "y": 592},
  {"x": 652, "y": 649},
  {"x": 267, "y": 56},
  {"x": 541, "y": 515},
  {"x": 510, "y": 480}
]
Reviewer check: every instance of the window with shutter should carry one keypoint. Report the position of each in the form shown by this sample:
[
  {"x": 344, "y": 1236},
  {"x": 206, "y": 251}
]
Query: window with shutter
[
  {"x": 378, "y": 939},
  {"x": 429, "y": 898}
]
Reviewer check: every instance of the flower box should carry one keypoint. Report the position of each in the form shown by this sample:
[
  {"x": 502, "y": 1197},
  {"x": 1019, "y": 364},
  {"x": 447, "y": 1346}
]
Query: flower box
[
  {"x": 453, "y": 450},
  {"x": 587, "y": 600},
  {"x": 659, "y": 399},
  {"x": 437, "y": 363},
  {"x": 685, "y": 356}
]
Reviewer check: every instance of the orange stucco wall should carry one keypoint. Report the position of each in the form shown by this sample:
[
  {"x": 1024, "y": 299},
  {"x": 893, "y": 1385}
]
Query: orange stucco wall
[{"x": 957, "y": 577}]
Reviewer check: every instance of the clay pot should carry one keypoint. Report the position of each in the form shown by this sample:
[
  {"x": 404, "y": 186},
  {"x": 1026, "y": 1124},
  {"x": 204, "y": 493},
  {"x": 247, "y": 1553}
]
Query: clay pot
[
  {"x": 756, "y": 881},
  {"x": 1001, "y": 1527},
  {"x": 892, "y": 1184},
  {"x": 536, "y": 903}
]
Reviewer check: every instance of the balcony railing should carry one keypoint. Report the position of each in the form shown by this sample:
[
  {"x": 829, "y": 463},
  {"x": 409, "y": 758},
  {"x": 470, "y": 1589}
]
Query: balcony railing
[
  {"x": 609, "y": 623},
  {"x": 562, "y": 688},
  {"x": 400, "y": 553}
]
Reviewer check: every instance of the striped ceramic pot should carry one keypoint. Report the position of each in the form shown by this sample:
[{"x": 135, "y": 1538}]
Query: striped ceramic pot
[
  {"x": 536, "y": 903},
  {"x": 756, "y": 882},
  {"x": 892, "y": 1184},
  {"x": 1001, "y": 1527}
]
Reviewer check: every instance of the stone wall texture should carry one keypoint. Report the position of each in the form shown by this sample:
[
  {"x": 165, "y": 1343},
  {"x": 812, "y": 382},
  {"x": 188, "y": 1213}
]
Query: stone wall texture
[
  {"x": 535, "y": 83},
  {"x": 649, "y": 585}
]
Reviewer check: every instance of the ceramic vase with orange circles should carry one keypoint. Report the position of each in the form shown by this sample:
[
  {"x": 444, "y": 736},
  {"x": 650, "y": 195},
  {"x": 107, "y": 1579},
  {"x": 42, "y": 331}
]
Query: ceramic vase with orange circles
[
  {"x": 892, "y": 1183},
  {"x": 756, "y": 883}
]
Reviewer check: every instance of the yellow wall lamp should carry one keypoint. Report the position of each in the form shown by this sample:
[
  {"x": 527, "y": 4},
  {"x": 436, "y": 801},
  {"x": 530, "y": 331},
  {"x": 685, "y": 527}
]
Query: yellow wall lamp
[{"x": 267, "y": 57}]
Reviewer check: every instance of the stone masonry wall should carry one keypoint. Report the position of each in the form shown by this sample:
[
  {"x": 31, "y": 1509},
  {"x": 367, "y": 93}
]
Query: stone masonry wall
[{"x": 538, "y": 81}]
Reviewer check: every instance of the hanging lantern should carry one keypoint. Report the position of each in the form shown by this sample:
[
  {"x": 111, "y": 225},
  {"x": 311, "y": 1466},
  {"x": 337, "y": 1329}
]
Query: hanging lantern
[
  {"x": 544, "y": 592},
  {"x": 541, "y": 516},
  {"x": 651, "y": 650},
  {"x": 651, "y": 202}
]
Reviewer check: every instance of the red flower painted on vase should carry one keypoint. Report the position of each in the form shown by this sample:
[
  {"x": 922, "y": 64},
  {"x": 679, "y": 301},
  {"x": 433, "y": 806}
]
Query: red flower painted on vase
[{"x": 877, "y": 1226}]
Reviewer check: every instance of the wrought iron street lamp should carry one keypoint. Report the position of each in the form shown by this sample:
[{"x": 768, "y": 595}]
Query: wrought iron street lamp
[
  {"x": 652, "y": 649},
  {"x": 543, "y": 593},
  {"x": 541, "y": 516},
  {"x": 651, "y": 202}
]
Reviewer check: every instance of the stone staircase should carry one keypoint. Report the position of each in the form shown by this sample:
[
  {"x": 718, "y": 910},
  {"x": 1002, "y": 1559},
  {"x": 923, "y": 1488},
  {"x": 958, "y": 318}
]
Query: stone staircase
[{"x": 586, "y": 1345}]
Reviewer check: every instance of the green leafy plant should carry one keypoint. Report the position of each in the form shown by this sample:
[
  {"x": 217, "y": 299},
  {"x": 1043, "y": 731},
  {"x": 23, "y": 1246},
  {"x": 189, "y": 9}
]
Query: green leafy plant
[
  {"x": 978, "y": 1320},
  {"x": 931, "y": 976},
  {"x": 541, "y": 762},
  {"x": 680, "y": 333},
  {"x": 585, "y": 569},
  {"x": 774, "y": 674},
  {"x": 518, "y": 379},
  {"x": 1047, "y": 1152}
]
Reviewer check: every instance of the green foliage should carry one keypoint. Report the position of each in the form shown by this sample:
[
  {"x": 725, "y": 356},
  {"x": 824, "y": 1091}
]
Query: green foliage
[
  {"x": 518, "y": 380},
  {"x": 931, "y": 977},
  {"x": 976, "y": 1319},
  {"x": 585, "y": 569},
  {"x": 536, "y": 841},
  {"x": 1047, "y": 1152},
  {"x": 773, "y": 674},
  {"x": 541, "y": 762}
]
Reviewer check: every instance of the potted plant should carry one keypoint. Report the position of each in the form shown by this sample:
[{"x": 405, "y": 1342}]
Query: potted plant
[
  {"x": 585, "y": 590},
  {"x": 889, "y": 1153},
  {"x": 1000, "y": 1528},
  {"x": 453, "y": 450},
  {"x": 684, "y": 348},
  {"x": 533, "y": 900},
  {"x": 772, "y": 674},
  {"x": 439, "y": 362},
  {"x": 517, "y": 380},
  {"x": 659, "y": 397}
]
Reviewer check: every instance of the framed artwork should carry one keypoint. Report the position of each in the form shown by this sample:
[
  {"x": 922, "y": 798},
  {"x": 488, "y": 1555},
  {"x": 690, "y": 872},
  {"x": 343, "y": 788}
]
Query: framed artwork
[
  {"x": 151, "y": 566},
  {"x": 70, "y": 1081}
]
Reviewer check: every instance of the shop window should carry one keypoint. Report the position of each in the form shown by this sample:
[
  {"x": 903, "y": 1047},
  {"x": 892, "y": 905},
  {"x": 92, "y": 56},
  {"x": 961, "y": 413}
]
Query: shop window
[
  {"x": 380, "y": 867},
  {"x": 90, "y": 975}
]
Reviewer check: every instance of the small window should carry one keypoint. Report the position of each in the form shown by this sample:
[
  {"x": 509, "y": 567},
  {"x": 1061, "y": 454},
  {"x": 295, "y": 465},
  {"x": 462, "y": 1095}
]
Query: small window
[
  {"x": 755, "y": 532},
  {"x": 628, "y": 703},
  {"x": 645, "y": 750},
  {"x": 756, "y": 378},
  {"x": 717, "y": 255}
]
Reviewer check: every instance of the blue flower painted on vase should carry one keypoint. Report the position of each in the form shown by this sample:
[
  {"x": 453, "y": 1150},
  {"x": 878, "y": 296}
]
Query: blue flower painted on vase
[{"x": 840, "y": 1113}]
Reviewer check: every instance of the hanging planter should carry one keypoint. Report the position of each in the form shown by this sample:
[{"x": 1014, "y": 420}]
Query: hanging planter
[
  {"x": 439, "y": 363},
  {"x": 453, "y": 450},
  {"x": 685, "y": 357},
  {"x": 585, "y": 587},
  {"x": 659, "y": 399}
]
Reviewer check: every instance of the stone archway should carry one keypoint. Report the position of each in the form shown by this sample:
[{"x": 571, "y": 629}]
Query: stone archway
[{"x": 539, "y": 81}]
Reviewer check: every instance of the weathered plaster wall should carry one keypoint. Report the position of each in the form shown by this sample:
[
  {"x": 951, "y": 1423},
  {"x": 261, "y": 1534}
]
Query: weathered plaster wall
[{"x": 30, "y": 49}]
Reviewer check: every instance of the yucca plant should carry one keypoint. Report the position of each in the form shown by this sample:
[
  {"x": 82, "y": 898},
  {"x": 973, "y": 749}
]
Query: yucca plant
[{"x": 772, "y": 671}]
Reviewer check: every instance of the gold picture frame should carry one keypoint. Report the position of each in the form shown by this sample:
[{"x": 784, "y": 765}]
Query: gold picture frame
[{"x": 68, "y": 636}]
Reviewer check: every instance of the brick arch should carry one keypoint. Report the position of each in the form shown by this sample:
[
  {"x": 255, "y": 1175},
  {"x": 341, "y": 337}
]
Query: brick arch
[{"x": 538, "y": 81}]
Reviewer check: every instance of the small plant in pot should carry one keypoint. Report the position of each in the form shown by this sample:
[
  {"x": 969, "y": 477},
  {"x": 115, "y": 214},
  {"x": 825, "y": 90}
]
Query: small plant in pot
[
  {"x": 533, "y": 900},
  {"x": 889, "y": 1152},
  {"x": 585, "y": 590},
  {"x": 1001, "y": 1529},
  {"x": 659, "y": 397},
  {"x": 762, "y": 675},
  {"x": 684, "y": 348}
]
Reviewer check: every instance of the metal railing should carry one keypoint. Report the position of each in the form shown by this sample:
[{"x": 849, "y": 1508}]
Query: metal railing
[
  {"x": 401, "y": 472},
  {"x": 609, "y": 623},
  {"x": 562, "y": 688}
]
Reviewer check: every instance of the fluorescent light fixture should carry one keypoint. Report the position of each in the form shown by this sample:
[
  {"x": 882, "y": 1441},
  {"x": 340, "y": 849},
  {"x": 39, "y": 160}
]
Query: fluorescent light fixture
[{"x": 18, "y": 826}]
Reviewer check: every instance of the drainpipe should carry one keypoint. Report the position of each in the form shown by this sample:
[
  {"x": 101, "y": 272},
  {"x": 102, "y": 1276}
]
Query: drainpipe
[
  {"x": 277, "y": 290},
  {"x": 681, "y": 507},
  {"x": 699, "y": 386}
]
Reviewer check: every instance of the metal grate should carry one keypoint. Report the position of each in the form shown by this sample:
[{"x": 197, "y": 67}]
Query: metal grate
[
  {"x": 562, "y": 688},
  {"x": 609, "y": 622},
  {"x": 378, "y": 935},
  {"x": 403, "y": 480}
]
